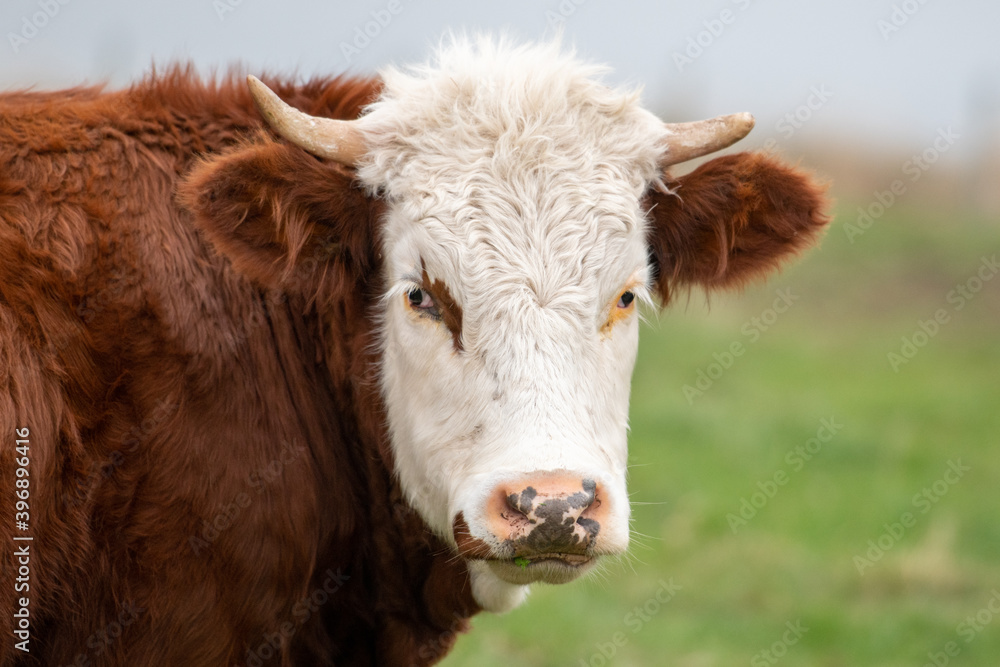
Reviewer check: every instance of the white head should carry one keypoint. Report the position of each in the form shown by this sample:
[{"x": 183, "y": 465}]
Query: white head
[
  {"x": 515, "y": 253},
  {"x": 516, "y": 249}
]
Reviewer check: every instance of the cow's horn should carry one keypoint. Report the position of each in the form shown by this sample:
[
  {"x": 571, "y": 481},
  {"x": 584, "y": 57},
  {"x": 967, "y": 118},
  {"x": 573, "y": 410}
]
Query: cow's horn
[
  {"x": 338, "y": 140},
  {"x": 686, "y": 141}
]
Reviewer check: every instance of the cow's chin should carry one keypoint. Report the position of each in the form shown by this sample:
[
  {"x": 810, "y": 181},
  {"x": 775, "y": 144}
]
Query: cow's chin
[
  {"x": 499, "y": 585},
  {"x": 556, "y": 569}
]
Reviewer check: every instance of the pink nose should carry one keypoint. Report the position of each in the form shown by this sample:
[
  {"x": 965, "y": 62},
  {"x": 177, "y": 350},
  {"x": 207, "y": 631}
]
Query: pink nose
[{"x": 547, "y": 513}]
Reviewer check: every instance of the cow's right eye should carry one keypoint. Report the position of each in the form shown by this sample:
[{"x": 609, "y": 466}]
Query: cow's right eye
[
  {"x": 416, "y": 297},
  {"x": 421, "y": 301}
]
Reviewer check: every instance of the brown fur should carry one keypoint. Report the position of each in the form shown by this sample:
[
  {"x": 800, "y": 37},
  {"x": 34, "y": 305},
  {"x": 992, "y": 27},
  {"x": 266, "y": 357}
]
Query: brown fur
[
  {"x": 732, "y": 220},
  {"x": 186, "y": 328},
  {"x": 450, "y": 311},
  {"x": 206, "y": 450}
]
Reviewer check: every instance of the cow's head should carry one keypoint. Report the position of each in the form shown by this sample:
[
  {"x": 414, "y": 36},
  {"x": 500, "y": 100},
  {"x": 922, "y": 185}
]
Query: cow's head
[{"x": 527, "y": 215}]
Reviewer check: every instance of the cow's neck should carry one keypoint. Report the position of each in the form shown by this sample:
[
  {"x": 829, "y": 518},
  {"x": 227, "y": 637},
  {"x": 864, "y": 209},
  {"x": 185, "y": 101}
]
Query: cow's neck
[{"x": 406, "y": 587}]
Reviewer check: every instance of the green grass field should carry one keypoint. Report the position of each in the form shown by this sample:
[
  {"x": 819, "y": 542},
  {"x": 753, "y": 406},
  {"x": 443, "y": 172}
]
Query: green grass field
[{"x": 910, "y": 464}]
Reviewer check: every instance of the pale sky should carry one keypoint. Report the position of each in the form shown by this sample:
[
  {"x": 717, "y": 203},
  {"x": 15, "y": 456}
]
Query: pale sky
[{"x": 887, "y": 72}]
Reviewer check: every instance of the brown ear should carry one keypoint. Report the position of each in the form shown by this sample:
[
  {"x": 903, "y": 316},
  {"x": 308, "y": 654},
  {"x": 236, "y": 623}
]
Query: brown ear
[
  {"x": 732, "y": 220},
  {"x": 281, "y": 216}
]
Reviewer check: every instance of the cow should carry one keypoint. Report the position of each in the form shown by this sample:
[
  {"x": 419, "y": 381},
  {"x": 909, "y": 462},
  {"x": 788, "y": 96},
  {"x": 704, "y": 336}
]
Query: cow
[{"x": 311, "y": 373}]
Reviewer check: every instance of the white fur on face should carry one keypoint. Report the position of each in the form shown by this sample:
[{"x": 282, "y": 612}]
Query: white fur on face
[{"x": 514, "y": 178}]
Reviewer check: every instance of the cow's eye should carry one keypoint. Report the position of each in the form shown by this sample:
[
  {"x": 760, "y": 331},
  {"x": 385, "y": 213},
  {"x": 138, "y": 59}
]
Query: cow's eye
[
  {"x": 621, "y": 310},
  {"x": 421, "y": 301}
]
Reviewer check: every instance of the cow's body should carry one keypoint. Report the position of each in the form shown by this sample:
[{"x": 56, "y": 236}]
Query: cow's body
[
  {"x": 280, "y": 410},
  {"x": 196, "y": 453}
]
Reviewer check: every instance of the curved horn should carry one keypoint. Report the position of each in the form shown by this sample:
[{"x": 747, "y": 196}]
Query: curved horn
[
  {"x": 338, "y": 140},
  {"x": 687, "y": 141}
]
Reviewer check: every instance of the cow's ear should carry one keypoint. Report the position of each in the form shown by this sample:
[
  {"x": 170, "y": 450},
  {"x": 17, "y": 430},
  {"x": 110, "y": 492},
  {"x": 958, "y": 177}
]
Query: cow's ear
[
  {"x": 281, "y": 216},
  {"x": 730, "y": 221}
]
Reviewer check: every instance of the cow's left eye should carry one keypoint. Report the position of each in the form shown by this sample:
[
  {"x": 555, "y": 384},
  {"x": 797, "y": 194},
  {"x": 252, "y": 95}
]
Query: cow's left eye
[
  {"x": 626, "y": 299},
  {"x": 422, "y": 301}
]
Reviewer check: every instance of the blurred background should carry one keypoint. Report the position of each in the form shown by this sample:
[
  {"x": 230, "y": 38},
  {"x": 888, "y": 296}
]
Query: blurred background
[{"x": 829, "y": 495}]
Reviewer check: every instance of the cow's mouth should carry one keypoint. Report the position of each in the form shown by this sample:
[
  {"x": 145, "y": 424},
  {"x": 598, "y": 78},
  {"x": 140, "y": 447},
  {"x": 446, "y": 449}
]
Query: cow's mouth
[
  {"x": 552, "y": 568},
  {"x": 517, "y": 563}
]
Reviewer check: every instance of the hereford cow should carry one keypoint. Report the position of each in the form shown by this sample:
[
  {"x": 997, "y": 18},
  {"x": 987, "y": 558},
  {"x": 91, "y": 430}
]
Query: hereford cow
[{"x": 318, "y": 399}]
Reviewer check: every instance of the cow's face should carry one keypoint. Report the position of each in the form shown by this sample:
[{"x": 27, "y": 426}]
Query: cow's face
[
  {"x": 515, "y": 261},
  {"x": 526, "y": 220}
]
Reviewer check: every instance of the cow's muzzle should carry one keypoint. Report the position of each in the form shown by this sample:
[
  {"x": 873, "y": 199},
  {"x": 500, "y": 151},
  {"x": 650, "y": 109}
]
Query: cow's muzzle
[{"x": 541, "y": 526}]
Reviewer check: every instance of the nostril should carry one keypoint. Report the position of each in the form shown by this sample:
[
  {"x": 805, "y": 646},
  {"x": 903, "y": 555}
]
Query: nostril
[
  {"x": 589, "y": 526},
  {"x": 523, "y": 502},
  {"x": 582, "y": 500}
]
